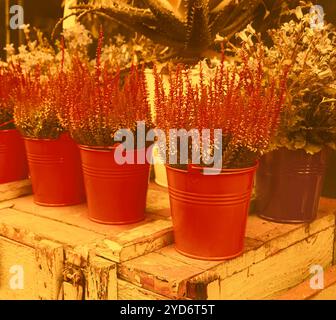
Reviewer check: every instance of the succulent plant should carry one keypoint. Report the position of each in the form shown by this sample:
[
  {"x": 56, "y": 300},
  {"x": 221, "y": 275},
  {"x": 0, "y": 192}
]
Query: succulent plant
[{"x": 188, "y": 27}]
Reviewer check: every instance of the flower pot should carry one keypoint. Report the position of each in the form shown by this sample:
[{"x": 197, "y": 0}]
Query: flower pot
[
  {"x": 329, "y": 185},
  {"x": 289, "y": 185},
  {"x": 55, "y": 170},
  {"x": 13, "y": 161},
  {"x": 209, "y": 212},
  {"x": 116, "y": 194}
]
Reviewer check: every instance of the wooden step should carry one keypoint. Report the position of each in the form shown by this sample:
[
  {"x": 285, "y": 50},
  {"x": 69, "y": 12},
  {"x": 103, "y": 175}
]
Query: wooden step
[
  {"x": 56, "y": 246},
  {"x": 70, "y": 225},
  {"x": 67, "y": 256},
  {"x": 276, "y": 257},
  {"x": 15, "y": 189}
]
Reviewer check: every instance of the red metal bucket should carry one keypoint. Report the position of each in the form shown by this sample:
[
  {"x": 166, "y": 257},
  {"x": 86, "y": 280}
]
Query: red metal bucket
[
  {"x": 116, "y": 194},
  {"x": 55, "y": 170},
  {"x": 289, "y": 185},
  {"x": 13, "y": 161},
  {"x": 209, "y": 212}
]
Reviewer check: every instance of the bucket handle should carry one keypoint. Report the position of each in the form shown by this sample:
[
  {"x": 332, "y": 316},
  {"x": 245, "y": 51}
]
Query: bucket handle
[
  {"x": 194, "y": 169},
  {"x": 6, "y": 123}
]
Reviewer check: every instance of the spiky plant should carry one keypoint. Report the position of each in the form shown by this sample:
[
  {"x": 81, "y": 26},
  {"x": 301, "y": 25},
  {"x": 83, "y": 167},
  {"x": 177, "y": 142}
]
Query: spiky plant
[{"x": 188, "y": 27}]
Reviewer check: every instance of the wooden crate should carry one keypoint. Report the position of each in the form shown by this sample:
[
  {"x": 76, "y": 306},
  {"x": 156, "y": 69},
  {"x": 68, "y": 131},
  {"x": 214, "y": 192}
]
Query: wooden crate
[
  {"x": 15, "y": 189},
  {"x": 66, "y": 256}
]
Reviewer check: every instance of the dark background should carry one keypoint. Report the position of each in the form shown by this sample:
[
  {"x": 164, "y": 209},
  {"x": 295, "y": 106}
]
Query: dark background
[{"x": 42, "y": 14}]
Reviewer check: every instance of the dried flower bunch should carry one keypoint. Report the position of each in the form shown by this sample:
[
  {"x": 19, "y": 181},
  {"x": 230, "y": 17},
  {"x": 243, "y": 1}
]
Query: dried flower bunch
[
  {"x": 36, "y": 102},
  {"x": 309, "y": 119},
  {"x": 235, "y": 100},
  {"x": 9, "y": 80},
  {"x": 97, "y": 104}
]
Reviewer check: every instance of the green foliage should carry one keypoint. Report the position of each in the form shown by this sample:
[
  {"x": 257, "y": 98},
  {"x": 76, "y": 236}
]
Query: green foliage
[{"x": 309, "y": 119}]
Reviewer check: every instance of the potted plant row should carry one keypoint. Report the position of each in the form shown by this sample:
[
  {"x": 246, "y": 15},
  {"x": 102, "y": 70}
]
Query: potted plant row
[
  {"x": 210, "y": 201},
  {"x": 13, "y": 162}
]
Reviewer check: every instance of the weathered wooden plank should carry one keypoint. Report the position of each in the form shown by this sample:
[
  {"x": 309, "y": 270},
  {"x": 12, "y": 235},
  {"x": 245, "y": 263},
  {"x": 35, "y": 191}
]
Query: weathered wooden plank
[
  {"x": 265, "y": 242},
  {"x": 95, "y": 279},
  {"x": 304, "y": 291},
  {"x": 141, "y": 240},
  {"x": 148, "y": 266},
  {"x": 158, "y": 273},
  {"x": 264, "y": 238},
  {"x": 17, "y": 260},
  {"x": 101, "y": 280},
  {"x": 128, "y": 291},
  {"x": 15, "y": 189},
  {"x": 278, "y": 272},
  {"x": 325, "y": 217},
  {"x": 280, "y": 236},
  {"x": 74, "y": 283},
  {"x": 71, "y": 292},
  {"x": 119, "y": 242},
  {"x": 326, "y": 294},
  {"x": 50, "y": 264},
  {"x": 28, "y": 229},
  {"x": 157, "y": 209},
  {"x": 171, "y": 277}
]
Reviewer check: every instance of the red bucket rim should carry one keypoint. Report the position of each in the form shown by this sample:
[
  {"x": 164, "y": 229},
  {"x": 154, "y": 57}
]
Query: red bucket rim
[
  {"x": 198, "y": 170},
  {"x": 104, "y": 149},
  {"x": 9, "y": 130},
  {"x": 64, "y": 134},
  {"x": 37, "y": 139}
]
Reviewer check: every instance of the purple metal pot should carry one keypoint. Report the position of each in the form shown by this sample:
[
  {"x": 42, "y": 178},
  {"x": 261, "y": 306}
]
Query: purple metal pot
[{"x": 289, "y": 185}]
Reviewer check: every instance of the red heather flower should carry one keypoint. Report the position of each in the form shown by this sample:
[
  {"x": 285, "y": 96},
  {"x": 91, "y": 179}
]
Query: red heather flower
[
  {"x": 36, "y": 103},
  {"x": 99, "y": 103},
  {"x": 235, "y": 100},
  {"x": 9, "y": 81}
]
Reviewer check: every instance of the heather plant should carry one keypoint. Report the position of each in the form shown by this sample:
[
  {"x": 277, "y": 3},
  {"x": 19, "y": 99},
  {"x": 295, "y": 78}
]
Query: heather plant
[
  {"x": 235, "y": 100},
  {"x": 36, "y": 105},
  {"x": 97, "y": 104},
  {"x": 9, "y": 80}
]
